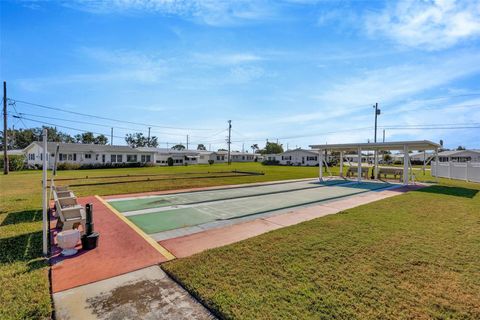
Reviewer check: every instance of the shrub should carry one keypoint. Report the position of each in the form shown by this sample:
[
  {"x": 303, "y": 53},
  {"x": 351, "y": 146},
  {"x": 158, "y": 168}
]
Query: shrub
[
  {"x": 210, "y": 162},
  {"x": 67, "y": 166},
  {"x": 170, "y": 162},
  {"x": 15, "y": 162}
]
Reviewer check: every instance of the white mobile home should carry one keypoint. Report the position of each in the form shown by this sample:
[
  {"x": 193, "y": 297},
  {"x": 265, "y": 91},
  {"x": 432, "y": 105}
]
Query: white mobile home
[
  {"x": 297, "y": 157},
  {"x": 179, "y": 157},
  {"x": 85, "y": 154},
  {"x": 222, "y": 156},
  {"x": 459, "y": 156}
]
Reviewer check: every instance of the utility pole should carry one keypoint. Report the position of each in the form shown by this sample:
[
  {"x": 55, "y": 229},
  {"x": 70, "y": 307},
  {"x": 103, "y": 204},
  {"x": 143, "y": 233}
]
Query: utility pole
[
  {"x": 377, "y": 112},
  {"x": 111, "y": 137},
  {"x": 383, "y": 135},
  {"x": 229, "y": 139},
  {"x": 209, "y": 147},
  {"x": 149, "y": 134},
  {"x": 375, "y": 169},
  {"x": 5, "y": 134},
  {"x": 187, "y": 141}
]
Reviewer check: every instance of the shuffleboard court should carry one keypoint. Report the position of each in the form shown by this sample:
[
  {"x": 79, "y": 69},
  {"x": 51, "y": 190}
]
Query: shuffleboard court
[{"x": 164, "y": 213}]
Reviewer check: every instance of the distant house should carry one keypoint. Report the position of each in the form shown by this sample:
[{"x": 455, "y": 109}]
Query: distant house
[
  {"x": 222, "y": 156},
  {"x": 179, "y": 157},
  {"x": 84, "y": 154},
  {"x": 459, "y": 156},
  {"x": 296, "y": 157}
]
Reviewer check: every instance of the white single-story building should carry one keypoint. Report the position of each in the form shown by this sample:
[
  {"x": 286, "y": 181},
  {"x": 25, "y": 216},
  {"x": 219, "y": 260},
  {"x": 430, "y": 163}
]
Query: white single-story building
[
  {"x": 296, "y": 157},
  {"x": 85, "y": 154},
  {"x": 222, "y": 156},
  {"x": 472, "y": 155},
  {"x": 179, "y": 157}
]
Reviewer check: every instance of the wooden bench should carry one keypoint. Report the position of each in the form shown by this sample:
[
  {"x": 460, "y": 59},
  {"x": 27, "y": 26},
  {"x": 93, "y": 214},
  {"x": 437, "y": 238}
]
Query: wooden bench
[
  {"x": 391, "y": 171},
  {"x": 352, "y": 171}
]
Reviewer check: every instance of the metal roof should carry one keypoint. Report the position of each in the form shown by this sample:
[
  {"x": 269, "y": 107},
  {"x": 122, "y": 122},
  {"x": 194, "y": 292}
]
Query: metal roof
[
  {"x": 396, "y": 145},
  {"x": 80, "y": 147}
]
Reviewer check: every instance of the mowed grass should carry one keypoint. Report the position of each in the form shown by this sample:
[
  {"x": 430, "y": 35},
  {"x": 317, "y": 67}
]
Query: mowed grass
[
  {"x": 414, "y": 256},
  {"x": 24, "y": 286}
]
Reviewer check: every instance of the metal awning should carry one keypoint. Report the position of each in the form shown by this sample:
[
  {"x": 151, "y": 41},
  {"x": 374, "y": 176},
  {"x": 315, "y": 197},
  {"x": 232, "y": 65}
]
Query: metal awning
[{"x": 396, "y": 145}]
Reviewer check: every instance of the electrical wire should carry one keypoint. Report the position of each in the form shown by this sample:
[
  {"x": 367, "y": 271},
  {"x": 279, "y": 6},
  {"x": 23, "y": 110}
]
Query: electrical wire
[{"x": 105, "y": 118}]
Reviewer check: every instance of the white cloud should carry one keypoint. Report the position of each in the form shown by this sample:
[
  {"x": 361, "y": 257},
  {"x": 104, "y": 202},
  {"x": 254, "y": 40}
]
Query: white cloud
[
  {"x": 243, "y": 74},
  {"x": 430, "y": 25},
  {"x": 117, "y": 65},
  {"x": 225, "y": 58},
  {"x": 210, "y": 12}
]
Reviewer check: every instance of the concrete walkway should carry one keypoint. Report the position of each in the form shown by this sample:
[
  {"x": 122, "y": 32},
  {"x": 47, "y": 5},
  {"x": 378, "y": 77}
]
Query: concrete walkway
[{"x": 143, "y": 294}]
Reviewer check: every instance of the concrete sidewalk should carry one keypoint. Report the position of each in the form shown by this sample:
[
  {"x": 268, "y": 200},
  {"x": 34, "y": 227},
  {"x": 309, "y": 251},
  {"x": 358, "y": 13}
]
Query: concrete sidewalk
[{"x": 143, "y": 294}]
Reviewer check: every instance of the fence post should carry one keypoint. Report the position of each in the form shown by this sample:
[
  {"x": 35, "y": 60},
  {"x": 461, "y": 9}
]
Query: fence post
[{"x": 449, "y": 169}]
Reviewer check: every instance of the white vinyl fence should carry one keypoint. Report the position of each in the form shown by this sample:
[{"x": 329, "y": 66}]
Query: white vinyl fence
[{"x": 468, "y": 171}]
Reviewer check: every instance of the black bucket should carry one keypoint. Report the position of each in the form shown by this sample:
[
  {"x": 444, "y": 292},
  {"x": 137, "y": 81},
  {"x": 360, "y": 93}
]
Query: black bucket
[{"x": 90, "y": 241}]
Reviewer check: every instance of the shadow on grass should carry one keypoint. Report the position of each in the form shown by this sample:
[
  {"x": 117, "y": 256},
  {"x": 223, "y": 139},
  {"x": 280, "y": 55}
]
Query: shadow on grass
[
  {"x": 450, "y": 191},
  {"x": 22, "y": 216},
  {"x": 26, "y": 247}
]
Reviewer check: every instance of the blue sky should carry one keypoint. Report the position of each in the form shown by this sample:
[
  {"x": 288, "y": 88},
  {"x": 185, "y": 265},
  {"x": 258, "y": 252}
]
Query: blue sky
[{"x": 299, "y": 71}]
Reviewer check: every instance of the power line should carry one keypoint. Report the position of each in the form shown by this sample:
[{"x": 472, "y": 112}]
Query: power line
[
  {"x": 105, "y": 118},
  {"x": 95, "y": 124}
]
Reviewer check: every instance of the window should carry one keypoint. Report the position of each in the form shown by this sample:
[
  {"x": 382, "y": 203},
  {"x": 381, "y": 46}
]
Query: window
[
  {"x": 218, "y": 157},
  {"x": 311, "y": 158},
  {"x": 96, "y": 157},
  {"x": 131, "y": 158},
  {"x": 88, "y": 156},
  {"x": 70, "y": 156},
  {"x": 116, "y": 158},
  {"x": 286, "y": 157},
  {"x": 74, "y": 157}
]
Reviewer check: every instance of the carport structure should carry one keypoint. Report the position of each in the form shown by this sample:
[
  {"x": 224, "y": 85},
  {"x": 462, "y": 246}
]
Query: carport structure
[{"x": 403, "y": 146}]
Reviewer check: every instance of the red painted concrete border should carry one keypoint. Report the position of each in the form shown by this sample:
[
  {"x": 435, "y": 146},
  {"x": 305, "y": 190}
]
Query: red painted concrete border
[
  {"x": 120, "y": 250},
  {"x": 194, "y": 243}
]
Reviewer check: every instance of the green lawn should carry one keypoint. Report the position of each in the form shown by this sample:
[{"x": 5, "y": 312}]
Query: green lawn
[
  {"x": 415, "y": 256},
  {"x": 24, "y": 273}
]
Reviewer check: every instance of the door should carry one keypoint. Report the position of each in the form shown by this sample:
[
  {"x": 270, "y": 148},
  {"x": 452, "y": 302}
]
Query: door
[{"x": 103, "y": 158}]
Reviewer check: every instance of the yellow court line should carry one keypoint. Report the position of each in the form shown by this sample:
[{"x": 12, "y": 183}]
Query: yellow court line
[{"x": 164, "y": 252}]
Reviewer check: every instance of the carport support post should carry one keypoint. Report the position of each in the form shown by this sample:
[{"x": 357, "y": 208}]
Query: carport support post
[
  {"x": 405, "y": 165},
  {"x": 320, "y": 164},
  {"x": 359, "y": 168},
  {"x": 375, "y": 169},
  {"x": 341, "y": 163},
  {"x": 436, "y": 165}
]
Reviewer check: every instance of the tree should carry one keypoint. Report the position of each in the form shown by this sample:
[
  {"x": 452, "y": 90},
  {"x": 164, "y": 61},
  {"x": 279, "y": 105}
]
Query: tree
[
  {"x": 137, "y": 139},
  {"x": 178, "y": 147},
  {"x": 201, "y": 146},
  {"x": 255, "y": 148},
  {"x": 460, "y": 148},
  {"x": 101, "y": 139},
  {"x": 21, "y": 138},
  {"x": 86, "y": 138},
  {"x": 89, "y": 138},
  {"x": 272, "y": 147},
  {"x": 221, "y": 149}
]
